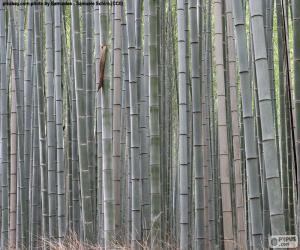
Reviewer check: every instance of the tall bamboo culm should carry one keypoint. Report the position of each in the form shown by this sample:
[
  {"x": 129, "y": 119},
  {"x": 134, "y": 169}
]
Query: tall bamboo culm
[
  {"x": 224, "y": 163},
  {"x": 271, "y": 166},
  {"x": 86, "y": 203}
]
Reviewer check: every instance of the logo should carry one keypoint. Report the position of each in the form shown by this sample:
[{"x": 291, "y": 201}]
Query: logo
[{"x": 283, "y": 241}]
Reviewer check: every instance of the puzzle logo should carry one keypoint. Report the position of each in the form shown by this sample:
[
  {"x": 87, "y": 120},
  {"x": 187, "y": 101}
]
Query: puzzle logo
[{"x": 283, "y": 241}]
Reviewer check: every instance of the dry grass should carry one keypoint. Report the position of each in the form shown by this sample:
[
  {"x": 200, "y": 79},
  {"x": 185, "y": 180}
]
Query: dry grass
[{"x": 71, "y": 242}]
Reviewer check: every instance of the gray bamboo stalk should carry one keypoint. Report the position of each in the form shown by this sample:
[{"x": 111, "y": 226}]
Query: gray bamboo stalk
[
  {"x": 174, "y": 169},
  {"x": 83, "y": 17},
  {"x": 189, "y": 127},
  {"x": 169, "y": 116},
  {"x": 144, "y": 119},
  {"x": 211, "y": 171},
  {"x": 296, "y": 33},
  {"x": 290, "y": 112},
  {"x": 128, "y": 157},
  {"x": 117, "y": 98},
  {"x": 138, "y": 5},
  {"x": 222, "y": 129},
  {"x": 13, "y": 163},
  {"x": 35, "y": 194},
  {"x": 165, "y": 117},
  {"x": 42, "y": 132},
  {"x": 51, "y": 129},
  {"x": 239, "y": 195},
  {"x": 75, "y": 157},
  {"x": 267, "y": 121},
  {"x": 22, "y": 210},
  {"x": 282, "y": 107},
  {"x": 270, "y": 55},
  {"x": 66, "y": 79},
  {"x": 4, "y": 126},
  {"x": 126, "y": 171},
  {"x": 123, "y": 146},
  {"x": 59, "y": 123},
  {"x": 213, "y": 133},
  {"x": 207, "y": 153},
  {"x": 134, "y": 126},
  {"x": 28, "y": 93},
  {"x": 204, "y": 124},
  {"x": 21, "y": 202},
  {"x": 107, "y": 171},
  {"x": 69, "y": 194},
  {"x": 90, "y": 104},
  {"x": 83, "y": 31},
  {"x": 252, "y": 163},
  {"x": 183, "y": 127},
  {"x": 197, "y": 122},
  {"x": 98, "y": 129},
  {"x": 258, "y": 128},
  {"x": 86, "y": 202},
  {"x": 154, "y": 128}
]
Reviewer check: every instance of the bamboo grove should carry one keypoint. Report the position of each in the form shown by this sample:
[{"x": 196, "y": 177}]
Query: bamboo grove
[{"x": 149, "y": 124}]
